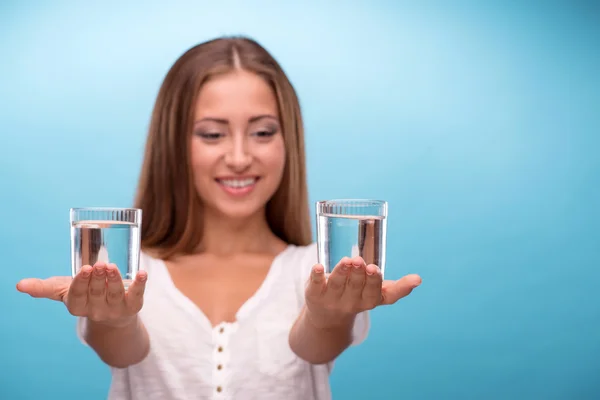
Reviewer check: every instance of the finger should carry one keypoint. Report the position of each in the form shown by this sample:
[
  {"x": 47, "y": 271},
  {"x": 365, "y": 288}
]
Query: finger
[
  {"x": 115, "y": 291},
  {"x": 97, "y": 288},
  {"x": 135, "y": 294},
  {"x": 77, "y": 297},
  {"x": 394, "y": 291},
  {"x": 372, "y": 291},
  {"x": 356, "y": 280},
  {"x": 336, "y": 282},
  {"x": 316, "y": 282},
  {"x": 54, "y": 288}
]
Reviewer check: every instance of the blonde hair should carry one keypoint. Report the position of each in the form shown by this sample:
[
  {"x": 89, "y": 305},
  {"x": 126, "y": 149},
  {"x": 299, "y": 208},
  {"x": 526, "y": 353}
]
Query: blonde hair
[{"x": 172, "y": 210}]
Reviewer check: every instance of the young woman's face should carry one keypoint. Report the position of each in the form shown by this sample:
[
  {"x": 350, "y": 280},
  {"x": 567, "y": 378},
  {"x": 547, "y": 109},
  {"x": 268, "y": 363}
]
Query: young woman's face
[{"x": 237, "y": 149}]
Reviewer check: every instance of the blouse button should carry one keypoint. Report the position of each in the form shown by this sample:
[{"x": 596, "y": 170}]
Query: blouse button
[
  {"x": 220, "y": 349},
  {"x": 219, "y": 367},
  {"x": 219, "y": 389},
  {"x": 221, "y": 330}
]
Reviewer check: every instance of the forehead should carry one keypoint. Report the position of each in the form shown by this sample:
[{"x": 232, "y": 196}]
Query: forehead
[{"x": 235, "y": 94}]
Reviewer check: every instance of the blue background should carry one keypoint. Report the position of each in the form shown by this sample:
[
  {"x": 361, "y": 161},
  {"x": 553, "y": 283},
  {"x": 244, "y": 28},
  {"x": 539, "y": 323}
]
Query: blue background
[{"x": 477, "y": 121}]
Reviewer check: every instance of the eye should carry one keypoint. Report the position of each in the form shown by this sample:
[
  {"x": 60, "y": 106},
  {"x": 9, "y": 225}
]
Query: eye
[
  {"x": 265, "y": 133},
  {"x": 210, "y": 136}
]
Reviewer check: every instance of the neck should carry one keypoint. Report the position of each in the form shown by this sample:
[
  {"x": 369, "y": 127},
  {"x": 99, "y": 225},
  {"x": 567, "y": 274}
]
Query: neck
[{"x": 224, "y": 236}]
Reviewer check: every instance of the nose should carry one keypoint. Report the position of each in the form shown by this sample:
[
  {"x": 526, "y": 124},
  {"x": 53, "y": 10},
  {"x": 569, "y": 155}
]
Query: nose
[{"x": 237, "y": 157}]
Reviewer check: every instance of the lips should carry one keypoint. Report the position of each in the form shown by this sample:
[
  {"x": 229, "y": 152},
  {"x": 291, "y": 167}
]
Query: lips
[
  {"x": 237, "y": 183},
  {"x": 238, "y": 186}
]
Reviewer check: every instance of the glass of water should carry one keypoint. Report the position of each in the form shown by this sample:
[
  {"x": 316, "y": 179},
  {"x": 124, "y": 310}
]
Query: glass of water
[
  {"x": 110, "y": 235},
  {"x": 350, "y": 228}
]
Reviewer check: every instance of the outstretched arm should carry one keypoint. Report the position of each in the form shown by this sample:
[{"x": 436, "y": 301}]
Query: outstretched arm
[
  {"x": 324, "y": 328},
  {"x": 113, "y": 328}
]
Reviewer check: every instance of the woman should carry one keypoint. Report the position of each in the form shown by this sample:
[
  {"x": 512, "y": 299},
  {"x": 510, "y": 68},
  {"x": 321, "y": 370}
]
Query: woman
[{"x": 235, "y": 305}]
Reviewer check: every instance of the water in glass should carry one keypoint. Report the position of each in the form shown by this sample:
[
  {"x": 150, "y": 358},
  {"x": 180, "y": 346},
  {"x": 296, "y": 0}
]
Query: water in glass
[
  {"x": 347, "y": 233},
  {"x": 109, "y": 241}
]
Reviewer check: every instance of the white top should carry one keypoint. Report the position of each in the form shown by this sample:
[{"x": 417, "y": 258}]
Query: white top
[{"x": 245, "y": 360}]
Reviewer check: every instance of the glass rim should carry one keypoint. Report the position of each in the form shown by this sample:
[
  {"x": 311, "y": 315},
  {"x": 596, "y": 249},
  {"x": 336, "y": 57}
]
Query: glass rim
[
  {"x": 352, "y": 207},
  {"x": 353, "y": 202},
  {"x": 104, "y": 209}
]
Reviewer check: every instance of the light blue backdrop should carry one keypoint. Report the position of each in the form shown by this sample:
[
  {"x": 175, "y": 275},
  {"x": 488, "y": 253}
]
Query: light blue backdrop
[{"x": 478, "y": 123}]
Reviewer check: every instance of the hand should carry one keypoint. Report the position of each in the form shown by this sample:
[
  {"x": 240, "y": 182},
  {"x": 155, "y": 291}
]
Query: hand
[
  {"x": 352, "y": 287},
  {"x": 96, "y": 293}
]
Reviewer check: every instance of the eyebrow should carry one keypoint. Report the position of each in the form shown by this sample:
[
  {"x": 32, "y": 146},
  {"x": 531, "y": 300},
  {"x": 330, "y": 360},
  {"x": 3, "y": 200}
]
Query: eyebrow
[{"x": 224, "y": 121}]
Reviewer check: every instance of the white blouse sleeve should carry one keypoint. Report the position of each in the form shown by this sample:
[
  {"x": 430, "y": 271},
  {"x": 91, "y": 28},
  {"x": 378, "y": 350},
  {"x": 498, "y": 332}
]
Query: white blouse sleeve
[
  {"x": 362, "y": 322},
  {"x": 80, "y": 328}
]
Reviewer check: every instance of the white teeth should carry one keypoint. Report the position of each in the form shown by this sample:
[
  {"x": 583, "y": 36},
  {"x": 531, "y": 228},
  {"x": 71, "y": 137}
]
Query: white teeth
[{"x": 235, "y": 183}]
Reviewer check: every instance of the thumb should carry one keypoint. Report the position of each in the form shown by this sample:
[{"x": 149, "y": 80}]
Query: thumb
[
  {"x": 54, "y": 288},
  {"x": 394, "y": 291}
]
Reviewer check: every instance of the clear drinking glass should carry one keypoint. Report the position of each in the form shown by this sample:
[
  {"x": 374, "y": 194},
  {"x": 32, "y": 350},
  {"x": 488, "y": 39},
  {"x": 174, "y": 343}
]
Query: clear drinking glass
[
  {"x": 110, "y": 235},
  {"x": 349, "y": 228}
]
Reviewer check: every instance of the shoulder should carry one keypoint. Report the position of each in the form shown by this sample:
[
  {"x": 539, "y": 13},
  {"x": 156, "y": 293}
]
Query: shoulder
[
  {"x": 298, "y": 261},
  {"x": 300, "y": 255},
  {"x": 152, "y": 265}
]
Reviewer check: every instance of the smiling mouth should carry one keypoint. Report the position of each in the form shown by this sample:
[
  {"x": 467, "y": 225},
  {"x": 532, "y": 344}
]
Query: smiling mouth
[
  {"x": 238, "y": 187},
  {"x": 237, "y": 183}
]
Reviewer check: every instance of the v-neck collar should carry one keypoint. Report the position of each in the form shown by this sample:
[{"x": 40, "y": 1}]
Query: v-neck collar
[{"x": 246, "y": 308}]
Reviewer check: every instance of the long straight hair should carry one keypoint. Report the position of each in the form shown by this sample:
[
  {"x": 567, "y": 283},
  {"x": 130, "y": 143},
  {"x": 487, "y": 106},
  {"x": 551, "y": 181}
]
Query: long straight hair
[{"x": 172, "y": 210}]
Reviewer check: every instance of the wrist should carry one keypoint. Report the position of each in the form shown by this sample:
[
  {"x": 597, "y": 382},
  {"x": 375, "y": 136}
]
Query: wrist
[
  {"x": 120, "y": 323},
  {"x": 329, "y": 321}
]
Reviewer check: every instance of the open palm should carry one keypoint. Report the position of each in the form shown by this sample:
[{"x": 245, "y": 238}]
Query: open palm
[
  {"x": 96, "y": 292},
  {"x": 353, "y": 287}
]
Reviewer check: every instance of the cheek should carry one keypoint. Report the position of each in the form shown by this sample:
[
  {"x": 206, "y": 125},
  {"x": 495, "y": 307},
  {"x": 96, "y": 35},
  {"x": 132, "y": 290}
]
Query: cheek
[
  {"x": 203, "y": 159},
  {"x": 275, "y": 159}
]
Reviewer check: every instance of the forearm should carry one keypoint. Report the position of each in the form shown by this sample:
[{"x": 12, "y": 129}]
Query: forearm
[
  {"x": 317, "y": 342},
  {"x": 119, "y": 346}
]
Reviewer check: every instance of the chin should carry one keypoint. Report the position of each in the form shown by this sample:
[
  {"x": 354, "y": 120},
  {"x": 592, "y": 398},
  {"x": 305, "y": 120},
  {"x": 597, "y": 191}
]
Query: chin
[
  {"x": 238, "y": 208},
  {"x": 240, "y": 212}
]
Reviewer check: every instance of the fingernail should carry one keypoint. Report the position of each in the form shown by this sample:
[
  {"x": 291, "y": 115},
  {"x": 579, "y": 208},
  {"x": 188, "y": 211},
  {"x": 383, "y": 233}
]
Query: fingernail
[
  {"x": 344, "y": 267},
  {"x": 143, "y": 277},
  {"x": 369, "y": 272},
  {"x": 416, "y": 282}
]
